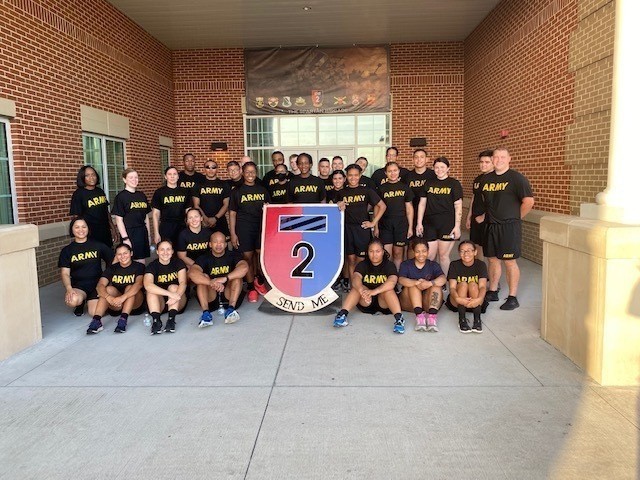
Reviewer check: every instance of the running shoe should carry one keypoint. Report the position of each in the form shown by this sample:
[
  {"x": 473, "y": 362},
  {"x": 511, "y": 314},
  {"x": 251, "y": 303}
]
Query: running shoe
[
  {"x": 464, "y": 326},
  {"x": 340, "y": 320},
  {"x": 492, "y": 296},
  {"x": 261, "y": 288},
  {"x": 94, "y": 327},
  {"x": 156, "y": 327},
  {"x": 231, "y": 315},
  {"x": 421, "y": 322},
  {"x": 252, "y": 296},
  {"x": 79, "y": 310},
  {"x": 511, "y": 303},
  {"x": 170, "y": 327},
  {"x": 398, "y": 326},
  {"x": 206, "y": 319},
  {"x": 432, "y": 322},
  {"x": 477, "y": 326},
  {"x": 121, "y": 327}
]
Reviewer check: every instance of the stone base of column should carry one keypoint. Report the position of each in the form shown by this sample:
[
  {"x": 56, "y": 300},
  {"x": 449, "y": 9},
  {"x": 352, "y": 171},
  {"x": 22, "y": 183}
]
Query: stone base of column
[
  {"x": 20, "y": 321},
  {"x": 591, "y": 295},
  {"x": 606, "y": 213}
]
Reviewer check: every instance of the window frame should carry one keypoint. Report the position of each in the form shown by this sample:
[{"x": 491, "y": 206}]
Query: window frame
[
  {"x": 277, "y": 133},
  {"x": 12, "y": 177},
  {"x": 104, "y": 177}
]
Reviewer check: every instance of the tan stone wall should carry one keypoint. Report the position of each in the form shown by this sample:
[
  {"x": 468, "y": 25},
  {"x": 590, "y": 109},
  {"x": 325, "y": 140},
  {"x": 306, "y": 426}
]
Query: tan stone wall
[{"x": 587, "y": 138}]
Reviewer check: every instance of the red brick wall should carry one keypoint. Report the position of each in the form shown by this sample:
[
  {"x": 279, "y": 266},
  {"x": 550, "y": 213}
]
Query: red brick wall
[
  {"x": 209, "y": 86},
  {"x": 517, "y": 78},
  {"x": 426, "y": 83},
  {"x": 58, "y": 54}
]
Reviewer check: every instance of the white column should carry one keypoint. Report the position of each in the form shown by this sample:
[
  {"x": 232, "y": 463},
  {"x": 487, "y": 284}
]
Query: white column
[{"x": 620, "y": 202}]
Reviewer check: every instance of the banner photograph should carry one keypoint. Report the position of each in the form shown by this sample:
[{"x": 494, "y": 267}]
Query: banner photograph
[{"x": 317, "y": 80}]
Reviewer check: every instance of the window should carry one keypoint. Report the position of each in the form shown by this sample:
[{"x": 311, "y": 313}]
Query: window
[
  {"x": 165, "y": 154},
  {"x": 106, "y": 155},
  {"x": 7, "y": 201},
  {"x": 369, "y": 135}
]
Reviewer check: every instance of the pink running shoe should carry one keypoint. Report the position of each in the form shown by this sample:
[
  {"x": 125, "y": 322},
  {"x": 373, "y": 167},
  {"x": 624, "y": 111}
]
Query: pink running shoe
[
  {"x": 432, "y": 322},
  {"x": 421, "y": 322},
  {"x": 252, "y": 296},
  {"x": 260, "y": 287}
]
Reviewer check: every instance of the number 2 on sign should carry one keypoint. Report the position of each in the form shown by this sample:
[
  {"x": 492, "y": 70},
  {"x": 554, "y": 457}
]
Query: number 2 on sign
[{"x": 299, "y": 271}]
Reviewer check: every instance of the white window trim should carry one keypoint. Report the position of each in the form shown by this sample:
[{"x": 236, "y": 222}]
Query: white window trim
[
  {"x": 12, "y": 175},
  {"x": 103, "y": 151}
]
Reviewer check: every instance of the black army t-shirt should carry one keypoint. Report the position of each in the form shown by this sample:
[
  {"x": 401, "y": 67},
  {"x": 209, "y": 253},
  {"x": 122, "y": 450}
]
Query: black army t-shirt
[
  {"x": 172, "y": 203},
  {"x": 165, "y": 275},
  {"x": 247, "y": 201},
  {"x": 85, "y": 259},
  {"x": 306, "y": 190},
  {"x": 441, "y": 194},
  {"x": 357, "y": 202},
  {"x": 375, "y": 275},
  {"x": 502, "y": 195},
  {"x": 395, "y": 195},
  {"x": 121, "y": 277},
  {"x": 219, "y": 266},
  {"x": 132, "y": 207},
  {"x": 194, "y": 244}
]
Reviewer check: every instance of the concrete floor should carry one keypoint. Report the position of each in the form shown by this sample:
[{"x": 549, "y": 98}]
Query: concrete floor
[{"x": 290, "y": 397}]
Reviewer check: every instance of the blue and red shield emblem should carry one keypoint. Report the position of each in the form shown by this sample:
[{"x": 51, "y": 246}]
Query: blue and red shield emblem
[{"x": 302, "y": 254}]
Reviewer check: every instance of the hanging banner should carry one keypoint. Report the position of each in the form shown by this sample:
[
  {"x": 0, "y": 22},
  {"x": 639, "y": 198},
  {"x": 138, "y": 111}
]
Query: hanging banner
[
  {"x": 302, "y": 255},
  {"x": 317, "y": 80}
]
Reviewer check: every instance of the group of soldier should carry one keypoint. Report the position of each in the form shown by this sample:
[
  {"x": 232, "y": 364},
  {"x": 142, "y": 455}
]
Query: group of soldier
[{"x": 195, "y": 215}]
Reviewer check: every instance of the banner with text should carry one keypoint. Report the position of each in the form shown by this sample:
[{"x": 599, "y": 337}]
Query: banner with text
[{"x": 317, "y": 80}]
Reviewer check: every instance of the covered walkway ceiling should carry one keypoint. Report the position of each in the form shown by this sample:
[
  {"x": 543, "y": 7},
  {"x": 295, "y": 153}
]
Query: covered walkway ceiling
[{"x": 190, "y": 24}]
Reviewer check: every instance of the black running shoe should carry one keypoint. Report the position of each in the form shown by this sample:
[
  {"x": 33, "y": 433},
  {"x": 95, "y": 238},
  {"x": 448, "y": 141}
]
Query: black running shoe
[
  {"x": 171, "y": 326},
  {"x": 492, "y": 296},
  {"x": 156, "y": 327},
  {"x": 79, "y": 310},
  {"x": 510, "y": 304},
  {"x": 477, "y": 326},
  {"x": 121, "y": 327},
  {"x": 463, "y": 326}
]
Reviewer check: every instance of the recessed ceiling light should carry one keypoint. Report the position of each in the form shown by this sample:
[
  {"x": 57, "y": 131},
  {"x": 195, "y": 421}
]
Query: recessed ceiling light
[{"x": 307, "y": 8}]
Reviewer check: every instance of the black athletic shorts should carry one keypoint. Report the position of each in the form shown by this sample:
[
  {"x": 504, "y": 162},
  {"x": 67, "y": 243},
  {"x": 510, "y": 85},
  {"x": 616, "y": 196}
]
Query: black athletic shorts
[
  {"x": 356, "y": 240},
  {"x": 394, "y": 231},
  {"x": 171, "y": 231},
  {"x": 373, "y": 308},
  {"x": 438, "y": 227},
  {"x": 249, "y": 236},
  {"x": 88, "y": 287},
  {"x": 139, "y": 238},
  {"x": 478, "y": 233},
  {"x": 504, "y": 240},
  {"x": 223, "y": 227}
]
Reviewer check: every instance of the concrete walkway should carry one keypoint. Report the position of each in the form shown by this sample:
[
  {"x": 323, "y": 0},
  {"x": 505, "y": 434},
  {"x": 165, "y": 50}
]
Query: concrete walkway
[{"x": 290, "y": 397}]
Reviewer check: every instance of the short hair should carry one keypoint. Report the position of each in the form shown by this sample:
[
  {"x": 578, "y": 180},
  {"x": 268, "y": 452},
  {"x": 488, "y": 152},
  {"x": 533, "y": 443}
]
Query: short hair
[
  {"x": 233, "y": 163},
  {"x": 337, "y": 157},
  {"x": 281, "y": 165},
  {"x": 353, "y": 166},
  {"x": 444, "y": 160},
  {"x": 307, "y": 156},
  {"x": 421, "y": 150},
  {"x": 363, "y": 158},
  {"x": 392, "y": 148},
  {"x": 338, "y": 172},
  {"x": 277, "y": 152},
  {"x": 485, "y": 153},
  {"x": 191, "y": 209},
  {"x": 391, "y": 164},
  {"x": 502, "y": 149},
  {"x": 293, "y": 155},
  {"x": 127, "y": 171},
  {"x": 169, "y": 168},
  {"x": 249, "y": 164},
  {"x": 184, "y": 157},
  {"x": 80, "y": 181},
  {"x": 323, "y": 159},
  {"x": 164, "y": 240}
]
